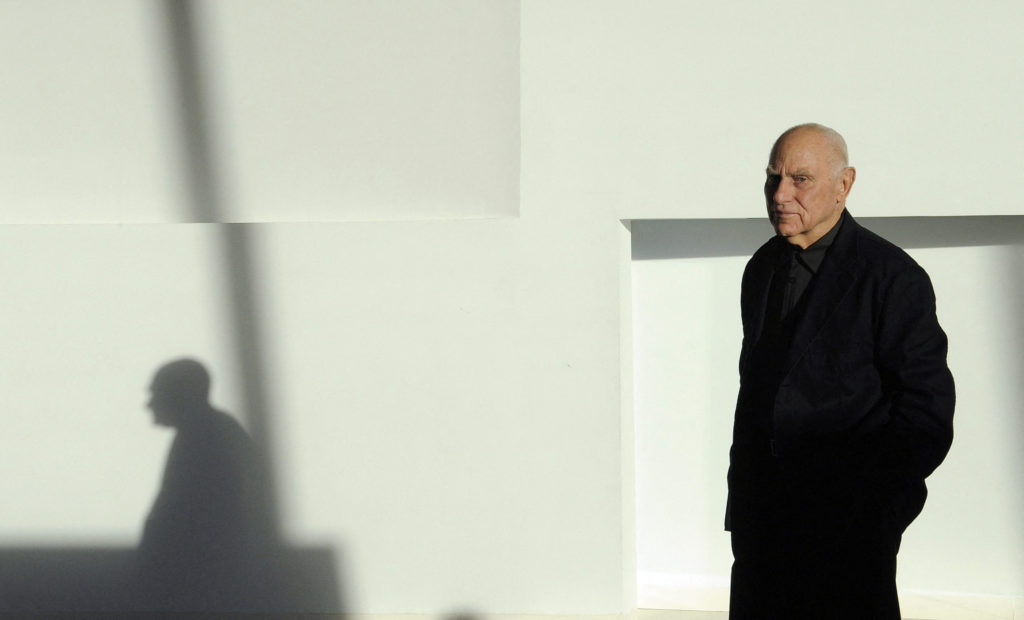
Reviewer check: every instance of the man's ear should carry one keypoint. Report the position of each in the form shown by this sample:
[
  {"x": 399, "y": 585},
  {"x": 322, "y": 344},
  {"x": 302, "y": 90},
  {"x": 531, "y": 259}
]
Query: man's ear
[{"x": 846, "y": 179}]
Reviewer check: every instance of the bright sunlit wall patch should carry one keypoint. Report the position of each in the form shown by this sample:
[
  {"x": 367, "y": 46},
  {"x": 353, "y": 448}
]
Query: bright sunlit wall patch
[
  {"x": 312, "y": 111},
  {"x": 367, "y": 110}
]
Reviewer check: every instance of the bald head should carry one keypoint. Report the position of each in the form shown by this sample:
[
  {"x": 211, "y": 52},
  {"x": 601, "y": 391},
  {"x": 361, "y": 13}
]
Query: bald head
[
  {"x": 832, "y": 143},
  {"x": 807, "y": 181}
]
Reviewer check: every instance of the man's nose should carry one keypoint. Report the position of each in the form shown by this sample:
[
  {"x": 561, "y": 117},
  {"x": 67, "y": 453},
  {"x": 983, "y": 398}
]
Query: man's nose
[{"x": 783, "y": 191}]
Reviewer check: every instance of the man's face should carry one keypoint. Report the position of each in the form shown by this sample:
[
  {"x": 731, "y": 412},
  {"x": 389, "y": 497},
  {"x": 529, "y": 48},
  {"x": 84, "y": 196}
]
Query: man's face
[{"x": 804, "y": 189}]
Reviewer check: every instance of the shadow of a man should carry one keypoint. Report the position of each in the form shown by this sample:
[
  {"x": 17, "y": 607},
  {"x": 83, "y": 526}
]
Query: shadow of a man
[{"x": 204, "y": 545}]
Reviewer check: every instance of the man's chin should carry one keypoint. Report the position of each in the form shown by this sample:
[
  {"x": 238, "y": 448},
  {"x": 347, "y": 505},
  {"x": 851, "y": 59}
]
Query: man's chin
[{"x": 784, "y": 230}]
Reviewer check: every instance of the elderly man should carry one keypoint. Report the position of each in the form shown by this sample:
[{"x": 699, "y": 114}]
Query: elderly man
[{"x": 845, "y": 403}]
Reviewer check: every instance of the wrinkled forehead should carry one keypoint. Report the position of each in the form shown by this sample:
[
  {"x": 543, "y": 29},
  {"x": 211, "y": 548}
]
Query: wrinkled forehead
[{"x": 803, "y": 149}]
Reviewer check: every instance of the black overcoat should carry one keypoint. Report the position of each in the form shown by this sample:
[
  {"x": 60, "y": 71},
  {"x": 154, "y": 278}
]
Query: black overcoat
[{"x": 860, "y": 409}]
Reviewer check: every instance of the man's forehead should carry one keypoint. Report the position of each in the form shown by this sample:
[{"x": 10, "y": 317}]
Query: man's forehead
[
  {"x": 807, "y": 151},
  {"x": 790, "y": 170}
]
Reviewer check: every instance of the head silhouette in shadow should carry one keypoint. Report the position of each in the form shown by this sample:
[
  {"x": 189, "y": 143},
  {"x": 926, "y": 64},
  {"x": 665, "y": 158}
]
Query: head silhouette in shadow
[
  {"x": 203, "y": 541},
  {"x": 180, "y": 391}
]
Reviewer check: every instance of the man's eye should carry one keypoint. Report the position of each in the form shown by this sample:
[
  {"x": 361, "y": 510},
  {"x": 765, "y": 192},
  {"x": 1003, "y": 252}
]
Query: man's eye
[{"x": 800, "y": 179}]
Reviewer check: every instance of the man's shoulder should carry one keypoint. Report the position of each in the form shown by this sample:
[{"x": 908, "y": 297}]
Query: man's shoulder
[
  {"x": 768, "y": 251},
  {"x": 879, "y": 254}
]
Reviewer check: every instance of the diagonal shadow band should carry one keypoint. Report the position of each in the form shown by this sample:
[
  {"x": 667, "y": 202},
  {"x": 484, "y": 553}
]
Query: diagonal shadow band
[{"x": 206, "y": 202}]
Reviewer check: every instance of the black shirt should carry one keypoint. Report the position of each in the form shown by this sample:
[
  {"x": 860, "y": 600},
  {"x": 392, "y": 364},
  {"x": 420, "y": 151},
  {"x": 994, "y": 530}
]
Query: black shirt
[{"x": 803, "y": 265}]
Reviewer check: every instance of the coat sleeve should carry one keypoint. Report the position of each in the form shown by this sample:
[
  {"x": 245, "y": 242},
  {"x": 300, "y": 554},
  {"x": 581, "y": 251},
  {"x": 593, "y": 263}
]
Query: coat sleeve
[
  {"x": 911, "y": 358},
  {"x": 746, "y": 314}
]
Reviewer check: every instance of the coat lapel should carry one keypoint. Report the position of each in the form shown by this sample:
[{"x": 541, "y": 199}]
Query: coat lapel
[
  {"x": 840, "y": 269},
  {"x": 769, "y": 270}
]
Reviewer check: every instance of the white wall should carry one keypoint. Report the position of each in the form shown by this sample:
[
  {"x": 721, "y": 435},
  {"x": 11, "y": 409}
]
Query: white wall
[
  {"x": 449, "y": 421},
  {"x": 88, "y": 123},
  {"x": 330, "y": 111},
  {"x": 451, "y": 386},
  {"x": 687, "y": 337},
  {"x": 686, "y": 313},
  {"x": 687, "y": 97},
  {"x": 89, "y": 313},
  {"x": 443, "y": 396}
]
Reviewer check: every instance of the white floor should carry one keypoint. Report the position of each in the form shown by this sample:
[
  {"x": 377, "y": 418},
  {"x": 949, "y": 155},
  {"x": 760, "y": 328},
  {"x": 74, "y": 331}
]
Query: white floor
[{"x": 669, "y": 614}]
